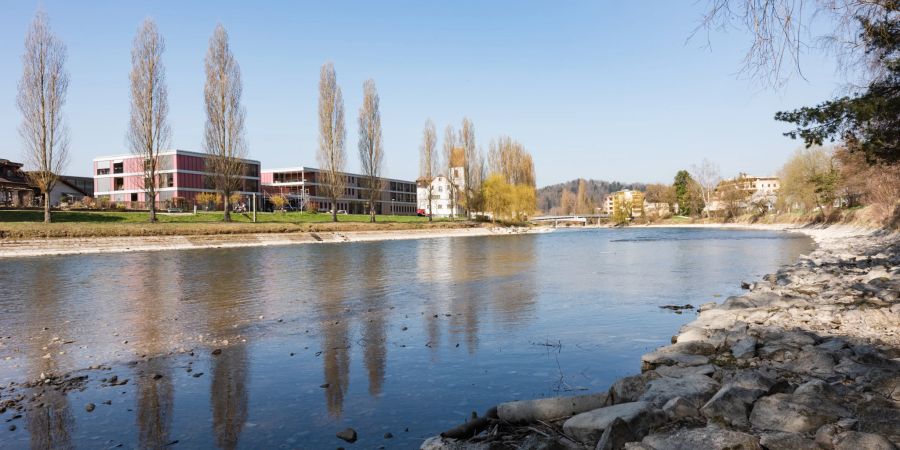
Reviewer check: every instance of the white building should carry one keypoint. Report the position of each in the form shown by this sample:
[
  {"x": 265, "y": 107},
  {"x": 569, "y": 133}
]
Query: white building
[{"x": 445, "y": 195}]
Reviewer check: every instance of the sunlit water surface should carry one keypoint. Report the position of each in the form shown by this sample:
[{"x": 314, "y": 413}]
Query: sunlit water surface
[{"x": 400, "y": 337}]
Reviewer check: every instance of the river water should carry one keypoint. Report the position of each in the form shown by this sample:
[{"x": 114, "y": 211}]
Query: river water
[{"x": 400, "y": 337}]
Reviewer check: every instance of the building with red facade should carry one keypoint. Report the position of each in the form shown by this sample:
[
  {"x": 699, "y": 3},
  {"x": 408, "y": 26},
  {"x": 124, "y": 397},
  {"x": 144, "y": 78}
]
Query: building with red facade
[
  {"x": 303, "y": 189},
  {"x": 182, "y": 175}
]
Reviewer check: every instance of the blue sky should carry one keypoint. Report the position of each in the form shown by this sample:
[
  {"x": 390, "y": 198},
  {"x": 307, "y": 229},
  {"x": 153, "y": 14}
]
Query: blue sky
[{"x": 597, "y": 89}]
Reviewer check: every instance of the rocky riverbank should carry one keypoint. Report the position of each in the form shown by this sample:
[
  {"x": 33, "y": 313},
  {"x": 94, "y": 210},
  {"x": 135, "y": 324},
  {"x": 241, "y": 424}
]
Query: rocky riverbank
[{"x": 808, "y": 358}]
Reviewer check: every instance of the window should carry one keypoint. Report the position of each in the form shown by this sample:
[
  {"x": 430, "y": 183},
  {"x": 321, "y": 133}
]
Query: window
[
  {"x": 103, "y": 171},
  {"x": 118, "y": 184},
  {"x": 118, "y": 167}
]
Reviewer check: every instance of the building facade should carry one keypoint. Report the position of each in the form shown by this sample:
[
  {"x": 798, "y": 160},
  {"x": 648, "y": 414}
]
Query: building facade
[
  {"x": 630, "y": 202},
  {"x": 181, "y": 176},
  {"x": 304, "y": 189},
  {"x": 15, "y": 190},
  {"x": 445, "y": 195},
  {"x": 751, "y": 191}
]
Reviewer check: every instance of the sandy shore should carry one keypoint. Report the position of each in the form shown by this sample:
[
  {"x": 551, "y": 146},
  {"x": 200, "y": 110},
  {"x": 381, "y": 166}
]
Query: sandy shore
[{"x": 15, "y": 248}]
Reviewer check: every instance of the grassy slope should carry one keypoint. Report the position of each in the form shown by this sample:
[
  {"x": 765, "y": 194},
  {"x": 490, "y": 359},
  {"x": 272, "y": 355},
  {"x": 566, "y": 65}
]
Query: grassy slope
[{"x": 28, "y": 224}]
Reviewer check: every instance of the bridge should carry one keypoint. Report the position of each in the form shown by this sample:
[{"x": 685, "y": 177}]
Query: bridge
[{"x": 576, "y": 218}]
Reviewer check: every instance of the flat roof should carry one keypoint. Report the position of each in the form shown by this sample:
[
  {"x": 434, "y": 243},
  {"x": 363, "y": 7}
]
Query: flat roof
[{"x": 174, "y": 151}]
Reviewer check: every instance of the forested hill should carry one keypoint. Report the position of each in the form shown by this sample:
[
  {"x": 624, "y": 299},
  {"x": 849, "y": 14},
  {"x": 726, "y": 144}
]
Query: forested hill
[{"x": 548, "y": 197}]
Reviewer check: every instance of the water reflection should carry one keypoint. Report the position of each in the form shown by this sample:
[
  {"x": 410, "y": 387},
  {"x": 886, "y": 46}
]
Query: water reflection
[
  {"x": 331, "y": 286},
  {"x": 156, "y": 290},
  {"x": 230, "y": 368},
  {"x": 49, "y": 420},
  {"x": 374, "y": 336}
]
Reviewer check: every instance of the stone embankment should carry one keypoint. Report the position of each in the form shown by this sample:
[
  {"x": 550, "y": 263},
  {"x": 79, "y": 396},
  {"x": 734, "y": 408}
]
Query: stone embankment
[{"x": 808, "y": 358}]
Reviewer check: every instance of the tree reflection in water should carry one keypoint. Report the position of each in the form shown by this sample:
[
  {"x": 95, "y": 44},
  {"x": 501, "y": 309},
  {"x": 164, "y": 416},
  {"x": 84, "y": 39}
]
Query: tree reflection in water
[{"x": 49, "y": 422}]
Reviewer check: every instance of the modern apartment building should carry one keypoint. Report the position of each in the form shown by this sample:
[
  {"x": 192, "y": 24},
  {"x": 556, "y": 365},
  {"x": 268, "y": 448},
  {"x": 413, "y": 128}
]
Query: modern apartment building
[
  {"x": 303, "y": 187},
  {"x": 182, "y": 175},
  {"x": 630, "y": 201}
]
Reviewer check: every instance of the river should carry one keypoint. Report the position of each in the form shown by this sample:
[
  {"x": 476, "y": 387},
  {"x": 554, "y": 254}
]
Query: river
[{"x": 399, "y": 337}]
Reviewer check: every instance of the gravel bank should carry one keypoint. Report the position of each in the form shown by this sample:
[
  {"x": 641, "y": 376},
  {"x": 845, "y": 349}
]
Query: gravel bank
[{"x": 807, "y": 358}]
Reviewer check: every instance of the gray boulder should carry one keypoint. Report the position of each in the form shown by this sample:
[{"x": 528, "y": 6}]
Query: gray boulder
[
  {"x": 731, "y": 405},
  {"x": 794, "y": 413},
  {"x": 787, "y": 441},
  {"x": 853, "y": 440},
  {"x": 629, "y": 389},
  {"x": 589, "y": 426},
  {"x": 708, "y": 438},
  {"x": 744, "y": 348},
  {"x": 616, "y": 435},
  {"x": 696, "y": 389},
  {"x": 680, "y": 409}
]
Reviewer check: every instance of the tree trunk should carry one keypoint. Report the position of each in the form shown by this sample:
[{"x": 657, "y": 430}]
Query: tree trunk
[
  {"x": 225, "y": 201},
  {"x": 334, "y": 210},
  {"x": 46, "y": 207},
  {"x": 153, "y": 207},
  {"x": 372, "y": 212}
]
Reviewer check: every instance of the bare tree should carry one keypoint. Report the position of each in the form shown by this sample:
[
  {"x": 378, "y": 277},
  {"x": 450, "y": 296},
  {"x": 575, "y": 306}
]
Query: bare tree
[
  {"x": 429, "y": 162},
  {"x": 467, "y": 143},
  {"x": 707, "y": 175},
  {"x": 781, "y": 32},
  {"x": 331, "y": 154},
  {"x": 149, "y": 130},
  {"x": 455, "y": 161},
  {"x": 42, "y": 94},
  {"x": 371, "y": 150},
  {"x": 224, "y": 139}
]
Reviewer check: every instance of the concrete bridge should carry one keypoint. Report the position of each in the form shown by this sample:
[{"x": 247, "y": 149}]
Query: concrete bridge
[{"x": 572, "y": 218}]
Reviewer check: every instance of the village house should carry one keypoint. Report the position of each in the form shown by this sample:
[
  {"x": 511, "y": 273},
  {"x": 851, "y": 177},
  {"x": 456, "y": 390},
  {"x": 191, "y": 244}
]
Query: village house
[{"x": 15, "y": 190}]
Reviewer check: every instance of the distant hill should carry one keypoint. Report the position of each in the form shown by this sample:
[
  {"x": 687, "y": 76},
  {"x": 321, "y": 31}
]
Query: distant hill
[{"x": 548, "y": 196}]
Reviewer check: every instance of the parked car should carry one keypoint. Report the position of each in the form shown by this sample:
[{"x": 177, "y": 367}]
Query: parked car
[
  {"x": 340, "y": 211},
  {"x": 420, "y": 212}
]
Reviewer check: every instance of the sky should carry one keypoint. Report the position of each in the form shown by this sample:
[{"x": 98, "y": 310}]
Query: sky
[{"x": 611, "y": 90}]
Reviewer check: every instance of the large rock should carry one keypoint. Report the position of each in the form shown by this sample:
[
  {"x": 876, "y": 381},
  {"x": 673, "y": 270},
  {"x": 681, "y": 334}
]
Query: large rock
[
  {"x": 731, "y": 405},
  {"x": 693, "y": 353},
  {"x": 681, "y": 372},
  {"x": 589, "y": 426},
  {"x": 853, "y": 440},
  {"x": 680, "y": 409},
  {"x": 629, "y": 389},
  {"x": 708, "y": 438},
  {"x": 744, "y": 348},
  {"x": 880, "y": 416},
  {"x": 794, "y": 413},
  {"x": 787, "y": 441},
  {"x": 550, "y": 408},
  {"x": 696, "y": 389},
  {"x": 616, "y": 435}
]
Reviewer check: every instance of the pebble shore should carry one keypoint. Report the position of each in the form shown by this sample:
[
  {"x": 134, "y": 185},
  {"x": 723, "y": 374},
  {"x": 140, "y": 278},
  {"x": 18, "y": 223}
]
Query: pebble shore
[{"x": 807, "y": 358}]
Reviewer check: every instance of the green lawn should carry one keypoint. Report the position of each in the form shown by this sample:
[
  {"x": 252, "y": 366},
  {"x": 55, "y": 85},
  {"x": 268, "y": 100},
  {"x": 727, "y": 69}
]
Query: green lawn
[
  {"x": 29, "y": 224},
  {"x": 201, "y": 217}
]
